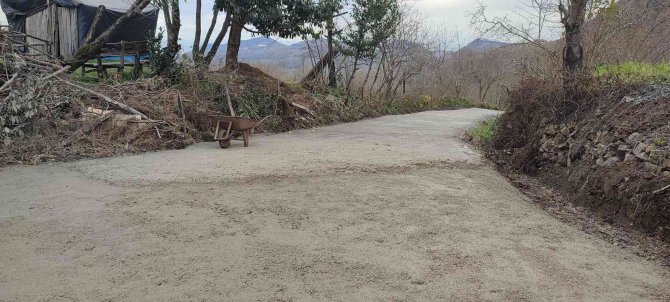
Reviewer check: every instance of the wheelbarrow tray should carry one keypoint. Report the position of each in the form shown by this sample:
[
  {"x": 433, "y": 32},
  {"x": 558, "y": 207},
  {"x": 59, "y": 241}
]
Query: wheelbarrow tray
[
  {"x": 238, "y": 123},
  {"x": 231, "y": 127}
]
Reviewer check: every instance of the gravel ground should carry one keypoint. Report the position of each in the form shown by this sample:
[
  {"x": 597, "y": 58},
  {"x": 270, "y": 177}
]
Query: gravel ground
[{"x": 391, "y": 209}]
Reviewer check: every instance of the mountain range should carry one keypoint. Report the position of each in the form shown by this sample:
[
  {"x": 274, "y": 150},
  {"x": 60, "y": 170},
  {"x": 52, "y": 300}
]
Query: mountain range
[{"x": 295, "y": 56}]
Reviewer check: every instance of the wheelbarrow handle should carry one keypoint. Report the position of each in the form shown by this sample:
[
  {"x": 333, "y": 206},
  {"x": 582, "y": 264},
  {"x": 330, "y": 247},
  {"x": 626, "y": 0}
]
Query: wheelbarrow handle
[{"x": 227, "y": 133}]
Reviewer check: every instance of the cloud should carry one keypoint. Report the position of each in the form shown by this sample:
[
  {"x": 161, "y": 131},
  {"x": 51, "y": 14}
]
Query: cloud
[{"x": 453, "y": 15}]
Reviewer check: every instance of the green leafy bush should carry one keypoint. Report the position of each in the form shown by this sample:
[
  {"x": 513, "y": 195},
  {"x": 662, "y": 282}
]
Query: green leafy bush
[
  {"x": 635, "y": 72},
  {"x": 485, "y": 130},
  {"x": 162, "y": 59}
]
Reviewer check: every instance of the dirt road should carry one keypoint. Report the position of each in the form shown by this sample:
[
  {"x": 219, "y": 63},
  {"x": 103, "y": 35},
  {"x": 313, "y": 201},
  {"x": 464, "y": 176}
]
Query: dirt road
[{"x": 390, "y": 209}]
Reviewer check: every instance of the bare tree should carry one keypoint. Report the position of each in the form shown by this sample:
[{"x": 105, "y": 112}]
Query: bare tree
[
  {"x": 518, "y": 31},
  {"x": 540, "y": 11}
]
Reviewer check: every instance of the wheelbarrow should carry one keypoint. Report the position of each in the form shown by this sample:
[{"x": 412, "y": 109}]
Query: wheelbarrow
[{"x": 231, "y": 127}]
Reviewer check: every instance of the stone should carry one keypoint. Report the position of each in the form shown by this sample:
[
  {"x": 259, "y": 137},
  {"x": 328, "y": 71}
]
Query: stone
[
  {"x": 600, "y": 162},
  {"x": 666, "y": 173},
  {"x": 466, "y": 136},
  {"x": 622, "y": 151},
  {"x": 611, "y": 161},
  {"x": 640, "y": 152},
  {"x": 630, "y": 157},
  {"x": 604, "y": 137},
  {"x": 551, "y": 130},
  {"x": 651, "y": 168},
  {"x": 562, "y": 159},
  {"x": 546, "y": 146},
  {"x": 629, "y": 99},
  {"x": 599, "y": 112},
  {"x": 600, "y": 149},
  {"x": 658, "y": 156},
  {"x": 634, "y": 138},
  {"x": 565, "y": 131},
  {"x": 650, "y": 147},
  {"x": 560, "y": 141}
]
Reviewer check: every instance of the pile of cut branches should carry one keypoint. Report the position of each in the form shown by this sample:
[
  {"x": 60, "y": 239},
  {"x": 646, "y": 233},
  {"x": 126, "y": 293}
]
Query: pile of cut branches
[{"x": 45, "y": 115}]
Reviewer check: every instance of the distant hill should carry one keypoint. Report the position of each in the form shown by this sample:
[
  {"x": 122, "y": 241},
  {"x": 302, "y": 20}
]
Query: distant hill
[
  {"x": 480, "y": 45},
  {"x": 272, "y": 52},
  {"x": 295, "y": 56}
]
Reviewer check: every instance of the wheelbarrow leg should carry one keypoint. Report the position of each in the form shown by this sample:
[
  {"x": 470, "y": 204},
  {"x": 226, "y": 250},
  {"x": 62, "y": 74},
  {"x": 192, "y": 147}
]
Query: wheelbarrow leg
[
  {"x": 245, "y": 136},
  {"x": 224, "y": 139}
]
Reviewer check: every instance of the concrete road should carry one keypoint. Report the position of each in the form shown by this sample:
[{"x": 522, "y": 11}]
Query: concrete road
[{"x": 389, "y": 209}]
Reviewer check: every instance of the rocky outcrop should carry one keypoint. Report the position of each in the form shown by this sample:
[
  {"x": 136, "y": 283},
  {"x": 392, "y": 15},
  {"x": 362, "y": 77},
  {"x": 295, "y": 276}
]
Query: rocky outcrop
[{"x": 566, "y": 143}]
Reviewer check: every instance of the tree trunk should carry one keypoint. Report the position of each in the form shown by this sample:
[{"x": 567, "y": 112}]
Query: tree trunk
[
  {"x": 217, "y": 42},
  {"x": 205, "y": 43},
  {"x": 198, "y": 18},
  {"x": 353, "y": 73},
  {"x": 573, "y": 55},
  {"x": 332, "y": 76},
  {"x": 173, "y": 29},
  {"x": 367, "y": 77},
  {"x": 89, "y": 51},
  {"x": 234, "y": 41}
]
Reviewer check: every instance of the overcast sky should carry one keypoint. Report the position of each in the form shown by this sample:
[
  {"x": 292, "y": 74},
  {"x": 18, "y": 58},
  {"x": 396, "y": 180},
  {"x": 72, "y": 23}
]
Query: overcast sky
[
  {"x": 449, "y": 14},
  {"x": 453, "y": 15}
]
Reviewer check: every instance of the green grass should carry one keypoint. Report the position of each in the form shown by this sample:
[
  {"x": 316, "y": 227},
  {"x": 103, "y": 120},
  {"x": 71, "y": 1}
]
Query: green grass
[
  {"x": 485, "y": 131},
  {"x": 635, "y": 72},
  {"x": 92, "y": 76},
  {"x": 426, "y": 103}
]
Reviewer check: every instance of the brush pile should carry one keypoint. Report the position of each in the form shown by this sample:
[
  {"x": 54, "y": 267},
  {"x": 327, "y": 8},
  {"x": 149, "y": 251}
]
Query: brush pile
[{"x": 46, "y": 116}]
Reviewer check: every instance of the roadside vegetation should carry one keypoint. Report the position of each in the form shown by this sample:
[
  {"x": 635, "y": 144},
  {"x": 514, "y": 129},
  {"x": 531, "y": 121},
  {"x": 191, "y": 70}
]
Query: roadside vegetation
[
  {"x": 635, "y": 72},
  {"x": 484, "y": 132}
]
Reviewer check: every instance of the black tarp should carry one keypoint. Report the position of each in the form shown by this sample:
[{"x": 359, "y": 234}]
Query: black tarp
[
  {"x": 138, "y": 29},
  {"x": 16, "y": 11},
  {"x": 141, "y": 28}
]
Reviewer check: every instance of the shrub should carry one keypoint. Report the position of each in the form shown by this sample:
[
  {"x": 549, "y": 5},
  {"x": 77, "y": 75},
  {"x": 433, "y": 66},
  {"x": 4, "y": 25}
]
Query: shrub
[
  {"x": 162, "y": 61},
  {"x": 485, "y": 131},
  {"x": 634, "y": 72}
]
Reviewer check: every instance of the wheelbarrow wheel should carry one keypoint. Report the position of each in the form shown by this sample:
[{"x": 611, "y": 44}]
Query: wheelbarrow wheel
[{"x": 224, "y": 143}]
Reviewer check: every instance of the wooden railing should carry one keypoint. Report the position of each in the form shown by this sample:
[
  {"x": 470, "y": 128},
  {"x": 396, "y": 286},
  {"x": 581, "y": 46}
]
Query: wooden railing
[
  {"x": 121, "y": 50},
  {"x": 19, "y": 42}
]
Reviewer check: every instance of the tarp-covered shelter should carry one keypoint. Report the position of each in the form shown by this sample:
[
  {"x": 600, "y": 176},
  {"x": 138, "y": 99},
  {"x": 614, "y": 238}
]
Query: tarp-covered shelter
[{"x": 66, "y": 23}]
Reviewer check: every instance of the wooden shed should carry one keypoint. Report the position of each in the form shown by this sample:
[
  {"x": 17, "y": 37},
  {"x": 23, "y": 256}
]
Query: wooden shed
[{"x": 66, "y": 23}]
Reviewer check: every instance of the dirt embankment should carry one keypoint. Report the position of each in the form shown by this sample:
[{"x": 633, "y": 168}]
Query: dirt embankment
[{"x": 606, "y": 150}]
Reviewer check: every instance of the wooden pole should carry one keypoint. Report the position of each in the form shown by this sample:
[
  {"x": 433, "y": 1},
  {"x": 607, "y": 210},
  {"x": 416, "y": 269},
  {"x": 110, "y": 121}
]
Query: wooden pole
[
  {"x": 56, "y": 33},
  {"x": 122, "y": 61},
  {"x": 99, "y": 68},
  {"x": 138, "y": 64}
]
